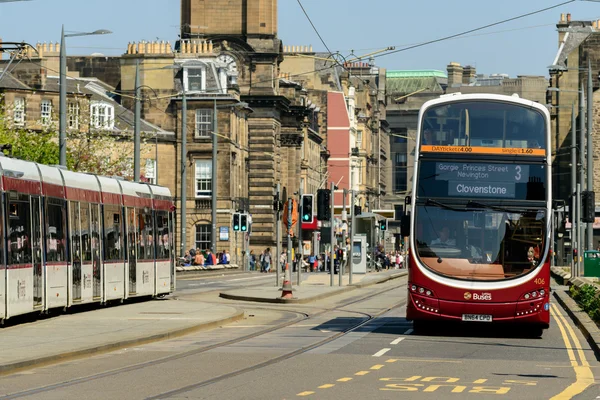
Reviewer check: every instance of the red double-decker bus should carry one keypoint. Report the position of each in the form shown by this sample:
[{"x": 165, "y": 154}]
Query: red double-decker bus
[{"x": 481, "y": 212}]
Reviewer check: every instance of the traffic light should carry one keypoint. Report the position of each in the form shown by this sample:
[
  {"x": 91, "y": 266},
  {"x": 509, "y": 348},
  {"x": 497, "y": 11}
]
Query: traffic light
[
  {"x": 357, "y": 210},
  {"x": 236, "y": 222},
  {"x": 588, "y": 206},
  {"x": 244, "y": 222},
  {"x": 323, "y": 205},
  {"x": 277, "y": 204},
  {"x": 383, "y": 225},
  {"x": 307, "y": 208}
]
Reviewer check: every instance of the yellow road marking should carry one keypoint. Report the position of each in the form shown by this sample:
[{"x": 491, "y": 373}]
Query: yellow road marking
[
  {"x": 391, "y": 360},
  {"x": 326, "y": 386},
  {"x": 429, "y": 361},
  {"x": 574, "y": 336},
  {"x": 305, "y": 393},
  {"x": 565, "y": 338},
  {"x": 361, "y": 373},
  {"x": 344, "y": 379},
  {"x": 480, "y": 381},
  {"x": 583, "y": 373},
  {"x": 378, "y": 366}
]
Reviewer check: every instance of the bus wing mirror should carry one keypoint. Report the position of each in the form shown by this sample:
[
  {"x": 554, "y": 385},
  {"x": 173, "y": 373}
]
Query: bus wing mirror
[{"x": 405, "y": 225}]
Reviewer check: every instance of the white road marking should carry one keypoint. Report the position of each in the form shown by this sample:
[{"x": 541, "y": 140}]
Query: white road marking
[
  {"x": 381, "y": 352},
  {"x": 408, "y": 332},
  {"x": 246, "y": 279},
  {"x": 397, "y": 340}
]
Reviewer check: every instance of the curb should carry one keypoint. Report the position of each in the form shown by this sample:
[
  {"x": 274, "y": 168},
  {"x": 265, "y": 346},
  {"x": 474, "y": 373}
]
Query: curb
[
  {"x": 347, "y": 288},
  {"x": 108, "y": 347},
  {"x": 588, "y": 328}
]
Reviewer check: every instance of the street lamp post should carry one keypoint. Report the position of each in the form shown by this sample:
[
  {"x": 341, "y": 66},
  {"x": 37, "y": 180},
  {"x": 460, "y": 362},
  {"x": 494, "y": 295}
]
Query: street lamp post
[
  {"x": 62, "y": 106},
  {"x": 590, "y": 157}
]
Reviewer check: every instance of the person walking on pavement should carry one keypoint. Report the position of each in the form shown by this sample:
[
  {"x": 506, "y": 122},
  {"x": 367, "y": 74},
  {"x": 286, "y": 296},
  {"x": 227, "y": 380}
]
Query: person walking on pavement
[
  {"x": 252, "y": 260},
  {"x": 266, "y": 260},
  {"x": 282, "y": 260}
]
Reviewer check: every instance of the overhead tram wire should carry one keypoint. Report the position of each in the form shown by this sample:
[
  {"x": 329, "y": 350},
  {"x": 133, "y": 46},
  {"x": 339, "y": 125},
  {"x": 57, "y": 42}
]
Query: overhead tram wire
[
  {"x": 409, "y": 47},
  {"x": 478, "y": 29}
]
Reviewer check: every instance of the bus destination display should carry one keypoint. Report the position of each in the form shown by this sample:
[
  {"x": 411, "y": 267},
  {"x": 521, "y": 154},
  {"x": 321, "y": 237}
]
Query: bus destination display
[{"x": 481, "y": 179}]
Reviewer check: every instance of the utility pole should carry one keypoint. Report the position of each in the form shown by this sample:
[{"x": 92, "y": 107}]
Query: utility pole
[
  {"x": 582, "y": 241},
  {"x": 136, "y": 124},
  {"x": 344, "y": 219},
  {"x": 62, "y": 105},
  {"x": 183, "y": 172},
  {"x": 215, "y": 143},
  {"x": 278, "y": 235},
  {"x": 300, "y": 247},
  {"x": 579, "y": 231},
  {"x": 590, "y": 149},
  {"x": 572, "y": 206},
  {"x": 351, "y": 252},
  {"x": 331, "y": 221}
]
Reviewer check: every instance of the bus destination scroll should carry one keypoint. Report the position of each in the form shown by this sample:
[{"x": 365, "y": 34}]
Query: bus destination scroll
[{"x": 482, "y": 179}]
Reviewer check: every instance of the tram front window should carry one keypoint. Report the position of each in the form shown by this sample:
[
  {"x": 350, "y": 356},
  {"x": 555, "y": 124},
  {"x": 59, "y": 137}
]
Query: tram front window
[{"x": 479, "y": 244}]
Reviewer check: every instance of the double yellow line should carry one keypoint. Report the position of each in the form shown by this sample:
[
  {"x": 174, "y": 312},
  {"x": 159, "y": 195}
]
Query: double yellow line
[{"x": 583, "y": 373}]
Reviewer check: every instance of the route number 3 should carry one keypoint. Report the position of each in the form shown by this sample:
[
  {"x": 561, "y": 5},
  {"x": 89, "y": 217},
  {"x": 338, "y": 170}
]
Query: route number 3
[
  {"x": 540, "y": 281},
  {"x": 518, "y": 173}
]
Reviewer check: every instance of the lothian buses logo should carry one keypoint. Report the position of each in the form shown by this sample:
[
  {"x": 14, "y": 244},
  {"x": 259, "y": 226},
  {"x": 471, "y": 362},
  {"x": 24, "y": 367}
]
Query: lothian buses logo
[{"x": 475, "y": 296}]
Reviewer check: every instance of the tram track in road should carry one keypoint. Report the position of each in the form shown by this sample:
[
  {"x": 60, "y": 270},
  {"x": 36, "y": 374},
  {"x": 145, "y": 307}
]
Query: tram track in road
[{"x": 300, "y": 317}]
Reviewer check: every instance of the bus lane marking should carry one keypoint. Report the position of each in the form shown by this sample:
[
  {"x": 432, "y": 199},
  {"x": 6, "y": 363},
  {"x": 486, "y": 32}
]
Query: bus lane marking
[
  {"x": 584, "y": 376},
  {"x": 381, "y": 352},
  {"x": 305, "y": 394},
  {"x": 447, "y": 384},
  {"x": 326, "y": 386},
  {"x": 408, "y": 332},
  {"x": 397, "y": 340},
  {"x": 377, "y": 367}
]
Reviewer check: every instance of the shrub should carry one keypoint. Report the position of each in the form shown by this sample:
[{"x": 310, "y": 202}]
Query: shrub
[{"x": 587, "y": 298}]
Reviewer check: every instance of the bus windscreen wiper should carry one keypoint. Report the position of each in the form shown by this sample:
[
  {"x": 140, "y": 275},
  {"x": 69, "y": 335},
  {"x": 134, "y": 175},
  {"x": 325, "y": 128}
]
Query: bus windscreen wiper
[
  {"x": 476, "y": 204},
  {"x": 430, "y": 202}
]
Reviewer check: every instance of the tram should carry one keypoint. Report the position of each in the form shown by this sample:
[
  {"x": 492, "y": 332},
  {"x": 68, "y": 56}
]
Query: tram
[{"x": 72, "y": 238}]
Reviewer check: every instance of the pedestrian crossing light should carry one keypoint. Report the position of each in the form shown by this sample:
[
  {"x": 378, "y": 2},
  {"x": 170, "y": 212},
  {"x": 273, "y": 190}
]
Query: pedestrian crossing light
[
  {"x": 244, "y": 222},
  {"x": 307, "y": 208},
  {"x": 383, "y": 225},
  {"x": 236, "y": 222}
]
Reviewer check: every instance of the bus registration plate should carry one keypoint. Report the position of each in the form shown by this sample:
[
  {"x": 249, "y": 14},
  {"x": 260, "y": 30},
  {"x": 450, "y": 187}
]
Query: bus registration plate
[{"x": 477, "y": 317}]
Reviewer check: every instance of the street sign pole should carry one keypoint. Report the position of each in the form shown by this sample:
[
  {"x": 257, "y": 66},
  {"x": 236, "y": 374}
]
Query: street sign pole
[
  {"x": 290, "y": 205},
  {"x": 300, "y": 247},
  {"x": 277, "y": 238},
  {"x": 331, "y": 269},
  {"x": 351, "y": 252}
]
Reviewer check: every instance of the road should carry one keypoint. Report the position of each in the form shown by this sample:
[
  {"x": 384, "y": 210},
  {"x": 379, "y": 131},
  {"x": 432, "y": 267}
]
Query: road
[{"x": 353, "y": 346}]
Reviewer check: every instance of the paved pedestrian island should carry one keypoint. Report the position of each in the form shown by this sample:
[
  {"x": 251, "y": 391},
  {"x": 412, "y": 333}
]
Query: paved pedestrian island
[
  {"x": 84, "y": 333},
  {"x": 315, "y": 287}
]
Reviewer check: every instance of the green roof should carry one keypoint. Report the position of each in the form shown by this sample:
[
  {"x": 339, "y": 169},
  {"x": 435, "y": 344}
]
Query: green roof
[
  {"x": 400, "y": 86},
  {"x": 416, "y": 73}
]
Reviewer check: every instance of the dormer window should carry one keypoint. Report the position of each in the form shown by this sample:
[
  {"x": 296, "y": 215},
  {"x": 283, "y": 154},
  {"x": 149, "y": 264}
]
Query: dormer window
[
  {"x": 102, "y": 115},
  {"x": 194, "y": 79}
]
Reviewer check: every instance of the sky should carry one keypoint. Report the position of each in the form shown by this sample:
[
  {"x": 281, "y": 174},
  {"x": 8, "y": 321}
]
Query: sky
[{"x": 522, "y": 47}]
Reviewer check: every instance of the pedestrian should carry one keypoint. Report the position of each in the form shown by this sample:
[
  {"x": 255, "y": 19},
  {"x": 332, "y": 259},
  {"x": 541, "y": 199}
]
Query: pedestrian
[
  {"x": 266, "y": 260},
  {"x": 192, "y": 253},
  {"x": 282, "y": 260},
  {"x": 227, "y": 257},
  {"x": 199, "y": 259},
  {"x": 401, "y": 260},
  {"x": 252, "y": 259},
  {"x": 311, "y": 261},
  {"x": 187, "y": 259}
]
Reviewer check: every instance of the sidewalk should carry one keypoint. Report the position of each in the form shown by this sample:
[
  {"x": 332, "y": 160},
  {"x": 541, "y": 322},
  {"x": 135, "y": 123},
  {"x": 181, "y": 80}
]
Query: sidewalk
[
  {"x": 75, "y": 335},
  {"x": 316, "y": 287}
]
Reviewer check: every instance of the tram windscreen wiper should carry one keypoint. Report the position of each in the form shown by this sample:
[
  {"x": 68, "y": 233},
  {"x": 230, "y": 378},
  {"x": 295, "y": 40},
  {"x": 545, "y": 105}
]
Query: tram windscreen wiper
[{"x": 430, "y": 202}]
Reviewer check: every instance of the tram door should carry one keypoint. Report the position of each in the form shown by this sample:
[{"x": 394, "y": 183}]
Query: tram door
[
  {"x": 132, "y": 249},
  {"x": 75, "y": 233},
  {"x": 96, "y": 251},
  {"x": 36, "y": 244}
]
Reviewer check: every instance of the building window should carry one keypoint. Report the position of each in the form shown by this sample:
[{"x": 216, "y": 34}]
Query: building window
[
  {"x": 73, "y": 115},
  {"x": 194, "y": 79},
  {"x": 203, "y": 178},
  {"x": 400, "y": 172},
  {"x": 46, "y": 112},
  {"x": 19, "y": 111},
  {"x": 203, "y": 236},
  {"x": 204, "y": 121},
  {"x": 359, "y": 135},
  {"x": 359, "y": 167},
  {"x": 150, "y": 173},
  {"x": 102, "y": 116}
]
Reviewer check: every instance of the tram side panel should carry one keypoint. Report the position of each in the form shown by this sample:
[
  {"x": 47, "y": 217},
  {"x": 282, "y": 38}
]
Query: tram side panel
[
  {"x": 145, "y": 257},
  {"x": 114, "y": 253},
  {"x": 56, "y": 265}
]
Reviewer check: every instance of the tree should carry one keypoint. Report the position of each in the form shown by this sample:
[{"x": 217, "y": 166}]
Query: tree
[{"x": 94, "y": 151}]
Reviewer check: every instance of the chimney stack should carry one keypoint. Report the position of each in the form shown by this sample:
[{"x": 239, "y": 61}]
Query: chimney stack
[
  {"x": 469, "y": 73},
  {"x": 455, "y": 74}
]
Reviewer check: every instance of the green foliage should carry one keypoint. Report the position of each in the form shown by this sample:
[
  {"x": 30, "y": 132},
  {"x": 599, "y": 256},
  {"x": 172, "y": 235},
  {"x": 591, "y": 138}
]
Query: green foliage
[{"x": 587, "y": 298}]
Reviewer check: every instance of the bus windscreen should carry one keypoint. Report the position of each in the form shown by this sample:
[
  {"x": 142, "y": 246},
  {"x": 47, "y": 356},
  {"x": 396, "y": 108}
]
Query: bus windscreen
[{"x": 484, "y": 124}]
